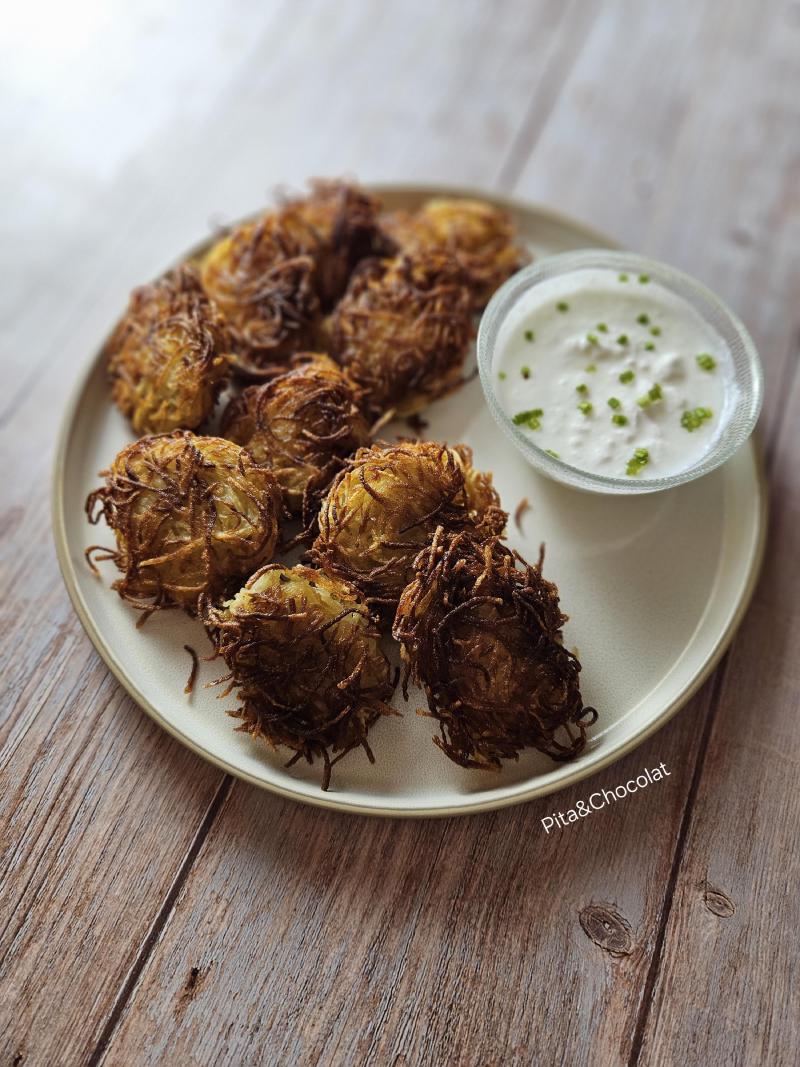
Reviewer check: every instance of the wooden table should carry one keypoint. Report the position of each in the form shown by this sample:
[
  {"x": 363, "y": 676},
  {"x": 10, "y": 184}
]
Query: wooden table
[{"x": 154, "y": 910}]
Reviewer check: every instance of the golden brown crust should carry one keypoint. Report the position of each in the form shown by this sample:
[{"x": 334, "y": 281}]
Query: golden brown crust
[
  {"x": 261, "y": 277},
  {"x": 402, "y": 331},
  {"x": 303, "y": 425},
  {"x": 385, "y": 506},
  {"x": 481, "y": 237},
  {"x": 483, "y": 501},
  {"x": 168, "y": 358},
  {"x": 304, "y": 653},
  {"x": 189, "y": 514},
  {"x": 272, "y": 278},
  {"x": 481, "y": 633},
  {"x": 337, "y": 225}
]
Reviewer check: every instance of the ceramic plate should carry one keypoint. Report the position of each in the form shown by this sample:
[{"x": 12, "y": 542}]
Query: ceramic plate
[{"x": 654, "y": 586}]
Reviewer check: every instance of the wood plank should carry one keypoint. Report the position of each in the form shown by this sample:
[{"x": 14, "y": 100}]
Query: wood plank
[
  {"x": 102, "y": 807},
  {"x": 91, "y": 842},
  {"x": 315, "y": 937},
  {"x": 718, "y": 970},
  {"x": 731, "y": 948},
  {"x": 136, "y": 143}
]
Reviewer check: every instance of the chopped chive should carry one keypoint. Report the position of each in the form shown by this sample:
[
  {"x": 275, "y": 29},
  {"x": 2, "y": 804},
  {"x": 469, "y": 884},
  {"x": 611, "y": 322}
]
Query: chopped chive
[
  {"x": 627, "y": 376},
  {"x": 562, "y": 306},
  {"x": 602, "y": 328},
  {"x": 705, "y": 361},
  {"x": 619, "y": 420},
  {"x": 693, "y": 420},
  {"x": 530, "y": 335},
  {"x": 591, "y": 368},
  {"x": 655, "y": 331},
  {"x": 651, "y": 396},
  {"x": 585, "y": 407},
  {"x": 614, "y": 403},
  {"x": 550, "y": 452},
  {"x": 649, "y": 347},
  {"x": 623, "y": 277},
  {"x": 583, "y": 389},
  {"x": 639, "y": 459},
  {"x": 643, "y": 319},
  {"x": 529, "y": 419},
  {"x": 502, "y": 375},
  {"x": 525, "y": 372},
  {"x": 592, "y": 338},
  {"x": 644, "y": 279},
  {"x": 622, "y": 339}
]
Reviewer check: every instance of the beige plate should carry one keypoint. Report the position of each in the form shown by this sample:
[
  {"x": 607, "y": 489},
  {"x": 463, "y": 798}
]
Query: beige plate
[{"x": 655, "y": 587}]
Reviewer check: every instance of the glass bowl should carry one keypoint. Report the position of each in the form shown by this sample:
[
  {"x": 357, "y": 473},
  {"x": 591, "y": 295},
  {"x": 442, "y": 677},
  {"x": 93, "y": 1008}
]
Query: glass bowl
[{"x": 742, "y": 407}]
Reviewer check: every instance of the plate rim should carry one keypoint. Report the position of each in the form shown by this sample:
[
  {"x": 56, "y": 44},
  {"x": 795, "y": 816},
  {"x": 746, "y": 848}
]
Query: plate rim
[{"x": 326, "y": 801}]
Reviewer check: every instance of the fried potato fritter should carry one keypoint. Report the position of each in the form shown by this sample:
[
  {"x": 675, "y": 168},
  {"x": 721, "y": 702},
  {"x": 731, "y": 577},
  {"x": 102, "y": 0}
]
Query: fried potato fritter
[
  {"x": 303, "y": 425},
  {"x": 481, "y": 237},
  {"x": 261, "y": 276},
  {"x": 303, "y": 651},
  {"x": 337, "y": 225},
  {"x": 384, "y": 507},
  {"x": 480, "y": 631},
  {"x": 402, "y": 331},
  {"x": 168, "y": 358},
  {"x": 272, "y": 278},
  {"x": 189, "y": 514}
]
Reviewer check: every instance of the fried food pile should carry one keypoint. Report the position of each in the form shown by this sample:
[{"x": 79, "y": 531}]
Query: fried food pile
[
  {"x": 322, "y": 319},
  {"x": 480, "y": 631},
  {"x": 391, "y": 297},
  {"x": 304, "y": 651}
]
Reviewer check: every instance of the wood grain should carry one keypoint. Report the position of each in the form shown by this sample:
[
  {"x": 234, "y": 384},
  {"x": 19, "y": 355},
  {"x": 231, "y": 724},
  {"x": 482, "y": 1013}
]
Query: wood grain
[
  {"x": 334, "y": 940},
  {"x": 706, "y": 985},
  {"x": 152, "y": 911},
  {"x": 731, "y": 942}
]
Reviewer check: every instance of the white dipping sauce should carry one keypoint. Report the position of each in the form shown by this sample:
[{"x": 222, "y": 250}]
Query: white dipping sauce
[{"x": 613, "y": 374}]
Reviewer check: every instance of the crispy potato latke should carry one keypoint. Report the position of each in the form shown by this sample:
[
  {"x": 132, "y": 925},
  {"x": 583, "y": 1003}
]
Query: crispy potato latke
[
  {"x": 337, "y": 225},
  {"x": 384, "y": 507},
  {"x": 168, "y": 358},
  {"x": 402, "y": 331},
  {"x": 481, "y": 237},
  {"x": 273, "y": 278},
  {"x": 189, "y": 515},
  {"x": 304, "y": 653},
  {"x": 480, "y": 631},
  {"x": 262, "y": 279},
  {"x": 303, "y": 425}
]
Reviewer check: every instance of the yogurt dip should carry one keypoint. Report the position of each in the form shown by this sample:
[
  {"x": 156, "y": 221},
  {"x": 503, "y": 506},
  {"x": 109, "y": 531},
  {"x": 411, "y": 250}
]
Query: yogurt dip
[{"x": 614, "y": 374}]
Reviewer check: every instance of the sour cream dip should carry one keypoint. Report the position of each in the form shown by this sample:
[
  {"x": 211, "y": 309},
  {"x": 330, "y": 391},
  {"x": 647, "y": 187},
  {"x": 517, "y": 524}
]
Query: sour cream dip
[{"x": 614, "y": 374}]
